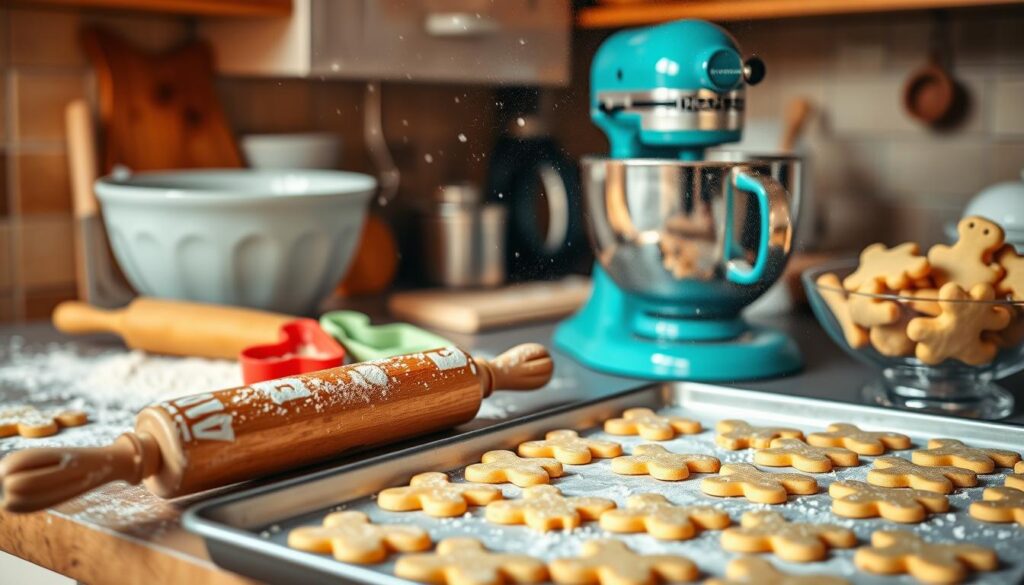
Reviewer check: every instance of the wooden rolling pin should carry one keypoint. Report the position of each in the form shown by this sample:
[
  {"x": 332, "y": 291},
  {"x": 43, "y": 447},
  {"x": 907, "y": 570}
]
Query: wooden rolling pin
[
  {"x": 218, "y": 438},
  {"x": 175, "y": 327}
]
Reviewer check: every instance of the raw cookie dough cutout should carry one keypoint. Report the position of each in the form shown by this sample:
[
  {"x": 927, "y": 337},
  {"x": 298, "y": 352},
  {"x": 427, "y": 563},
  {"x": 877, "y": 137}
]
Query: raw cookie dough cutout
[
  {"x": 856, "y": 499},
  {"x": 544, "y": 508},
  {"x": 611, "y": 562},
  {"x": 859, "y": 441},
  {"x": 660, "y": 463},
  {"x": 953, "y": 452},
  {"x": 351, "y": 538},
  {"x": 999, "y": 504},
  {"x": 465, "y": 561},
  {"x": 897, "y": 472},
  {"x": 969, "y": 261},
  {"x": 435, "y": 495},
  {"x": 655, "y": 515},
  {"x": 738, "y": 434},
  {"x": 798, "y": 542},
  {"x": 568, "y": 447},
  {"x": 743, "y": 479},
  {"x": 651, "y": 425},
  {"x": 798, "y": 454},
  {"x": 757, "y": 571},
  {"x": 958, "y": 332},
  {"x": 897, "y": 267},
  {"x": 506, "y": 466},
  {"x": 32, "y": 423},
  {"x": 898, "y": 551},
  {"x": 831, "y": 290}
]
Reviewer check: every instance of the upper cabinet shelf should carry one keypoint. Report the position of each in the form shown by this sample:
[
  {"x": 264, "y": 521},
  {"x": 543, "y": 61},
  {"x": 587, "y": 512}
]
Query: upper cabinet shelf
[
  {"x": 194, "y": 7},
  {"x": 620, "y": 13}
]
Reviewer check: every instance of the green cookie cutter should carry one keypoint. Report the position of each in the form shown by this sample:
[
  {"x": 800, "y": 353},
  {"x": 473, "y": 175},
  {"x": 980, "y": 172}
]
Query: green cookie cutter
[{"x": 371, "y": 342}]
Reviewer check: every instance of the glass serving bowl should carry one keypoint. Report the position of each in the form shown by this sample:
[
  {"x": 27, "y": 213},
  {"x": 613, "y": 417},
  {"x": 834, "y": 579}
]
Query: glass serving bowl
[{"x": 950, "y": 387}]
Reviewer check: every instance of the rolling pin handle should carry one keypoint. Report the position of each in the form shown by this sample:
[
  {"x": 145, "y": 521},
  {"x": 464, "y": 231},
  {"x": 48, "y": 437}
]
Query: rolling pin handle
[
  {"x": 524, "y": 367},
  {"x": 78, "y": 318}
]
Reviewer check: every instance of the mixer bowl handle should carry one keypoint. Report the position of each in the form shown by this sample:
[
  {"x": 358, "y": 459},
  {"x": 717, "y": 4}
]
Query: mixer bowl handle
[{"x": 776, "y": 227}]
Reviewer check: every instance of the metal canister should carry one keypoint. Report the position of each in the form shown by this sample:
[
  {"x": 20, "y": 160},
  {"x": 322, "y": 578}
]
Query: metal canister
[{"x": 464, "y": 239}]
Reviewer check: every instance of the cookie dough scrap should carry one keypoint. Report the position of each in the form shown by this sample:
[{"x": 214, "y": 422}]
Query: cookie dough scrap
[
  {"x": 942, "y": 452},
  {"x": 957, "y": 333},
  {"x": 611, "y": 562},
  {"x": 544, "y": 508},
  {"x": 660, "y": 463},
  {"x": 465, "y": 561},
  {"x": 898, "y": 551},
  {"x": 651, "y": 425},
  {"x": 832, "y": 292},
  {"x": 897, "y": 267},
  {"x": 859, "y": 441},
  {"x": 799, "y": 542},
  {"x": 655, "y": 515},
  {"x": 856, "y": 499},
  {"x": 738, "y": 434},
  {"x": 568, "y": 447},
  {"x": 32, "y": 423},
  {"x": 999, "y": 504},
  {"x": 969, "y": 261},
  {"x": 351, "y": 538},
  {"x": 743, "y": 479},
  {"x": 506, "y": 466},
  {"x": 798, "y": 454},
  {"x": 435, "y": 495},
  {"x": 757, "y": 571},
  {"x": 897, "y": 472}
]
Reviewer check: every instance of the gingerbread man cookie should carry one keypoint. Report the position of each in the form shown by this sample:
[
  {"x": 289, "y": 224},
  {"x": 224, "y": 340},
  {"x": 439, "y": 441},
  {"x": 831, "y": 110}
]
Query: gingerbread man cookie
[
  {"x": 655, "y": 515},
  {"x": 897, "y": 472},
  {"x": 464, "y": 561},
  {"x": 861, "y": 442},
  {"x": 896, "y": 268},
  {"x": 798, "y": 454},
  {"x": 868, "y": 309},
  {"x": 30, "y": 422},
  {"x": 1012, "y": 283},
  {"x": 435, "y": 495},
  {"x": 743, "y": 479},
  {"x": 898, "y": 551},
  {"x": 568, "y": 447},
  {"x": 738, "y": 434},
  {"x": 650, "y": 425},
  {"x": 798, "y": 542},
  {"x": 831, "y": 291},
  {"x": 1015, "y": 480},
  {"x": 757, "y": 571},
  {"x": 660, "y": 463},
  {"x": 969, "y": 262},
  {"x": 954, "y": 452},
  {"x": 506, "y": 466},
  {"x": 543, "y": 508},
  {"x": 925, "y": 300},
  {"x": 351, "y": 538},
  {"x": 856, "y": 499},
  {"x": 958, "y": 331},
  {"x": 610, "y": 562},
  {"x": 999, "y": 504}
]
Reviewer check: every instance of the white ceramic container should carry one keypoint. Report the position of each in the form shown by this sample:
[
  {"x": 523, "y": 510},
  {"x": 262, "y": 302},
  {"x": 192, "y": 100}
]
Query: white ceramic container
[{"x": 304, "y": 150}]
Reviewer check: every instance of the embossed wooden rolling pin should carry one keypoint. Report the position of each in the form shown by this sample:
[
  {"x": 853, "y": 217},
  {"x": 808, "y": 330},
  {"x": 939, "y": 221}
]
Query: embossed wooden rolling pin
[{"x": 218, "y": 438}]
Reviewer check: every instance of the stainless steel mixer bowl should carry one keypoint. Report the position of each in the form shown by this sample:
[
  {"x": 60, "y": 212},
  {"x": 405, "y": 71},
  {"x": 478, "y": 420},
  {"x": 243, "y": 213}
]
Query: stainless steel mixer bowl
[{"x": 685, "y": 234}]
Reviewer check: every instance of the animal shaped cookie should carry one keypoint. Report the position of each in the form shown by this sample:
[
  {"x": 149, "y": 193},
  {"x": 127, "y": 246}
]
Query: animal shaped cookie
[
  {"x": 867, "y": 309},
  {"x": 743, "y": 479},
  {"x": 1012, "y": 283},
  {"x": 568, "y": 447},
  {"x": 957, "y": 332},
  {"x": 897, "y": 472},
  {"x": 799, "y": 542},
  {"x": 351, "y": 538},
  {"x": 738, "y": 434},
  {"x": 856, "y": 499},
  {"x": 30, "y": 422},
  {"x": 655, "y": 515},
  {"x": 898, "y": 551},
  {"x": 1015, "y": 480},
  {"x": 925, "y": 300},
  {"x": 650, "y": 425},
  {"x": 954, "y": 452},
  {"x": 757, "y": 571},
  {"x": 896, "y": 268},
  {"x": 891, "y": 340},
  {"x": 660, "y": 463},
  {"x": 969, "y": 262},
  {"x": 999, "y": 504},
  {"x": 435, "y": 495},
  {"x": 859, "y": 441},
  {"x": 796, "y": 453},
  {"x": 464, "y": 561},
  {"x": 611, "y": 562},
  {"x": 832, "y": 292},
  {"x": 506, "y": 466},
  {"x": 543, "y": 508}
]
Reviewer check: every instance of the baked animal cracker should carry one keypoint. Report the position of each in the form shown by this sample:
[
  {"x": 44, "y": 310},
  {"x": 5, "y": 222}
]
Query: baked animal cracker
[
  {"x": 655, "y": 515},
  {"x": 868, "y": 310},
  {"x": 543, "y": 508},
  {"x": 435, "y": 495},
  {"x": 999, "y": 504},
  {"x": 568, "y": 447},
  {"x": 798, "y": 542},
  {"x": 954, "y": 452},
  {"x": 859, "y": 441},
  {"x": 898, "y": 551},
  {"x": 897, "y": 472},
  {"x": 896, "y": 268},
  {"x": 757, "y": 571},
  {"x": 464, "y": 561},
  {"x": 1012, "y": 283},
  {"x": 32, "y": 423},
  {"x": 351, "y": 538},
  {"x": 796, "y": 453},
  {"x": 856, "y": 499},
  {"x": 1015, "y": 480},
  {"x": 611, "y": 562},
  {"x": 957, "y": 332},
  {"x": 650, "y": 425},
  {"x": 891, "y": 340},
  {"x": 737, "y": 434},
  {"x": 831, "y": 290},
  {"x": 743, "y": 479},
  {"x": 506, "y": 466},
  {"x": 969, "y": 262},
  {"x": 925, "y": 300},
  {"x": 660, "y": 463}
]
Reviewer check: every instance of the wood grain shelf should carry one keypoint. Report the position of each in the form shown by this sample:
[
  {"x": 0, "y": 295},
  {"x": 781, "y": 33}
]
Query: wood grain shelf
[
  {"x": 190, "y": 7},
  {"x": 639, "y": 12}
]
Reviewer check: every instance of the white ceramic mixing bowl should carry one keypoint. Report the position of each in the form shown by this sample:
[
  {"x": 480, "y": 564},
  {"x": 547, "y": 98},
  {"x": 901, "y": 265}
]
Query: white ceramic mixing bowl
[{"x": 277, "y": 240}]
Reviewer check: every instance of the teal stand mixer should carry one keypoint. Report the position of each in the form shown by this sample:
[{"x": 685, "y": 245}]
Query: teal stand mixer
[{"x": 685, "y": 235}]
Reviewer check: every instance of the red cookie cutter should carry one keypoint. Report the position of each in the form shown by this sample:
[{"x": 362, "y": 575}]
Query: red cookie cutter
[{"x": 304, "y": 347}]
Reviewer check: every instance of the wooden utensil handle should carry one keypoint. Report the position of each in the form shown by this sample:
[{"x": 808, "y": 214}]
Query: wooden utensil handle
[{"x": 78, "y": 318}]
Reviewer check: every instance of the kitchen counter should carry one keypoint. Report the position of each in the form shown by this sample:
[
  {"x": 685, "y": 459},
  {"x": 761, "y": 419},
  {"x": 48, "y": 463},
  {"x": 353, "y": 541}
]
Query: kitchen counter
[{"x": 122, "y": 533}]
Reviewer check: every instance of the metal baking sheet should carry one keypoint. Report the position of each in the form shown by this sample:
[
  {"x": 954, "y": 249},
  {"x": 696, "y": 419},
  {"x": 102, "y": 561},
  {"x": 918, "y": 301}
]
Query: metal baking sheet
[{"x": 246, "y": 532}]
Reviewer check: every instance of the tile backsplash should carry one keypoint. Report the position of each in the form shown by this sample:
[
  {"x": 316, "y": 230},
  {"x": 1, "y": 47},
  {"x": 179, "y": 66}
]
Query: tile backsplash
[{"x": 873, "y": 171}]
